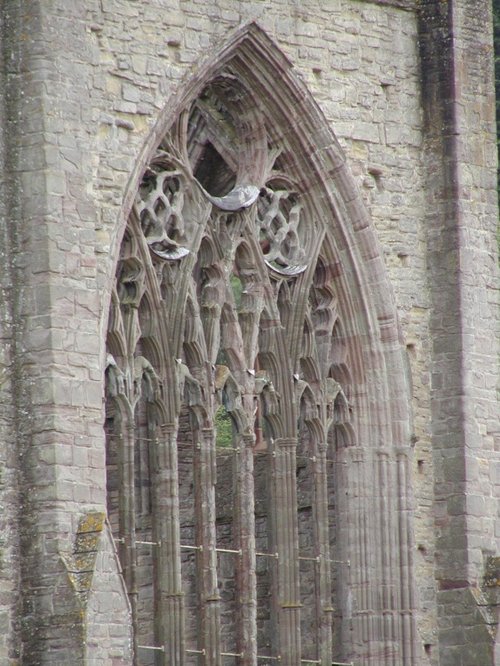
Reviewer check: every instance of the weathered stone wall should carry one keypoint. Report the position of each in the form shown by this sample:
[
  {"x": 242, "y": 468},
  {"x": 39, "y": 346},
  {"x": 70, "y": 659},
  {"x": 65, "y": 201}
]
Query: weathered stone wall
[
  {"x": 9, "y": 463},
  {"x": 461, "y": 220},
  {"x": 90, "y": 88},
  {"x": 56, "y": 372},
  {"x": 108, "y": 631},
  {"x": 370, "y": 97},
  {"x": 360, "y": 60}
]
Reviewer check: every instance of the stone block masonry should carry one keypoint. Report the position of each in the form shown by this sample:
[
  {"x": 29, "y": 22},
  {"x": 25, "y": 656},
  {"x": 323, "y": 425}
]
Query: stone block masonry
[{"x": 88, "y": 90}]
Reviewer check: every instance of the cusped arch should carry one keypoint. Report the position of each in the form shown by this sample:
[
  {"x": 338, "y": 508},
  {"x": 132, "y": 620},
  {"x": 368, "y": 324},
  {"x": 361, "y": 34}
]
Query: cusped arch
[
  {"x": 266, "y": 71},
  {"x": 301, "y": 144}
]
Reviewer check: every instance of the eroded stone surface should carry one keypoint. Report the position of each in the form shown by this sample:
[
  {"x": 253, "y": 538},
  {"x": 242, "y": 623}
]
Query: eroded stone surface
[{"x": 88, "y": 92}]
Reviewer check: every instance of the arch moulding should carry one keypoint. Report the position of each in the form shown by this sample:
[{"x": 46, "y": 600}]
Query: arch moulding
[{"x": 257, "y": 286}]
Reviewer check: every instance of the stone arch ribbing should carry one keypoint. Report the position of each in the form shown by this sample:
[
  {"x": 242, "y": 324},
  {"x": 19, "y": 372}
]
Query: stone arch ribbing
[{"x": 367, "y": 311}]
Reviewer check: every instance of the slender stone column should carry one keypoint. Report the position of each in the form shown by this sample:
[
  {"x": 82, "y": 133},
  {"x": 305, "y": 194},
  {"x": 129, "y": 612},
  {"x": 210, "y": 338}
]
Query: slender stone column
[
  {"x": 169, "y": 604},
  {"x": 387, "y": 575},
  {"x": 324, "y": 598},
  {"x": 356, "y": 536},
  {"x": 205, "y": 514},
  {"x": 126, "y": 504},
  {"x": 376, "y": 510},
  {"x": 246, "y": 576},
  {"x": 287, "y": 542},
  {"x": 409, "y": 643}
]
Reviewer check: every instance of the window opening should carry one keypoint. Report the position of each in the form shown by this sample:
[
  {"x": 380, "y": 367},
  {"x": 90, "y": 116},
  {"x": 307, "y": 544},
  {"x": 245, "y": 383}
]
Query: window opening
[{"x": 216, "y": 481}]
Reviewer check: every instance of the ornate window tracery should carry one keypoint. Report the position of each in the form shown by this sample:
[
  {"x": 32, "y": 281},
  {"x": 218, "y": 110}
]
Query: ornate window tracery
[
  {"x": 225, "y": 313},
  {"x": 212, "y": 280}
]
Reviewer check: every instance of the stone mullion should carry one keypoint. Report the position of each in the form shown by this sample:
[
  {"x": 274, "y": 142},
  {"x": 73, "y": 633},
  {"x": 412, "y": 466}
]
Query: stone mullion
[
  {"x": 369, "y": 536},
  {"x": 205, "y": 515},
  {"x": 409, "y": 640},
  {"x": 288, "y": 551},
  {"x": 390, "y": 548},
  {"x": 126, "y": 504},
  {"x": 360, "y": 548},
  {"x": 246, "y": 567},
  {"x": 169, "y": 602},
  {"x": 324, "y": 600}
]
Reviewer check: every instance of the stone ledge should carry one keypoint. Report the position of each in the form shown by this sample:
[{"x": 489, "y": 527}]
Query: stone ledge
[{"x": 409, "y": 5}]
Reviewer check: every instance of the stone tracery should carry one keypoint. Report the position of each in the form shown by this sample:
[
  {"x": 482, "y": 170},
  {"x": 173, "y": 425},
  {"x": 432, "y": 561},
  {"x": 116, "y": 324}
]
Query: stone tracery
[
  {"x": 227, "y": 297},
  {"x": 239, "y": 260}
]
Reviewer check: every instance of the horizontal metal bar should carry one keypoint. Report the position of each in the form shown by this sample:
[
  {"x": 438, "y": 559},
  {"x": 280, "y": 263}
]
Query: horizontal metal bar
[
  {"x": 268, "y": 555},
  {"x": 267, "y": 452},
  {"x": 151, "y": 647},
  {"x": 348, "y": 562},
  {"x": 139, "y": 542},
  {"x": 231, "y": 654},
  {"x": 268, "y": 656},
  {"x": 236, "y": 552},
  {"x": 149, "y": 543},
  {"x": 196, "y": 651},
  {"x": 342, "y": 663},
  {"x": 310, "y": 661},
  {"x": 332, "y": 461}
]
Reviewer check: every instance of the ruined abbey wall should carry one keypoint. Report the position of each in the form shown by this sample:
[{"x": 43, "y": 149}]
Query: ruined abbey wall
[{"x": 88, "y": 90}]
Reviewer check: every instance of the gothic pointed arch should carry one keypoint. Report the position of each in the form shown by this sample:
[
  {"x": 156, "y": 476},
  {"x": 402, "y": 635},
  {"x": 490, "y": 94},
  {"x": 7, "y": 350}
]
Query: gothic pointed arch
[{"x": 249, "y": 283}]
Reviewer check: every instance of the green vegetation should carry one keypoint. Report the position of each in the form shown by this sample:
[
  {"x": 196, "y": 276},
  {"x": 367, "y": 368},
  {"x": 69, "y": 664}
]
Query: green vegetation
[
  {"x": 224, "y": 427},
  {"x": 237, "y": 289}
]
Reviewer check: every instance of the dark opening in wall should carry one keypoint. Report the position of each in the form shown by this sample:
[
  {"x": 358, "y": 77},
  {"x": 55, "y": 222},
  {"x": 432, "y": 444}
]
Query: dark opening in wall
[{"x": 213, "y": 173}]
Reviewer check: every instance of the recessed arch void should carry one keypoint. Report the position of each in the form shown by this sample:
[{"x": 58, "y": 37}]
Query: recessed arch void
[{"x": 243, "y": 180}]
